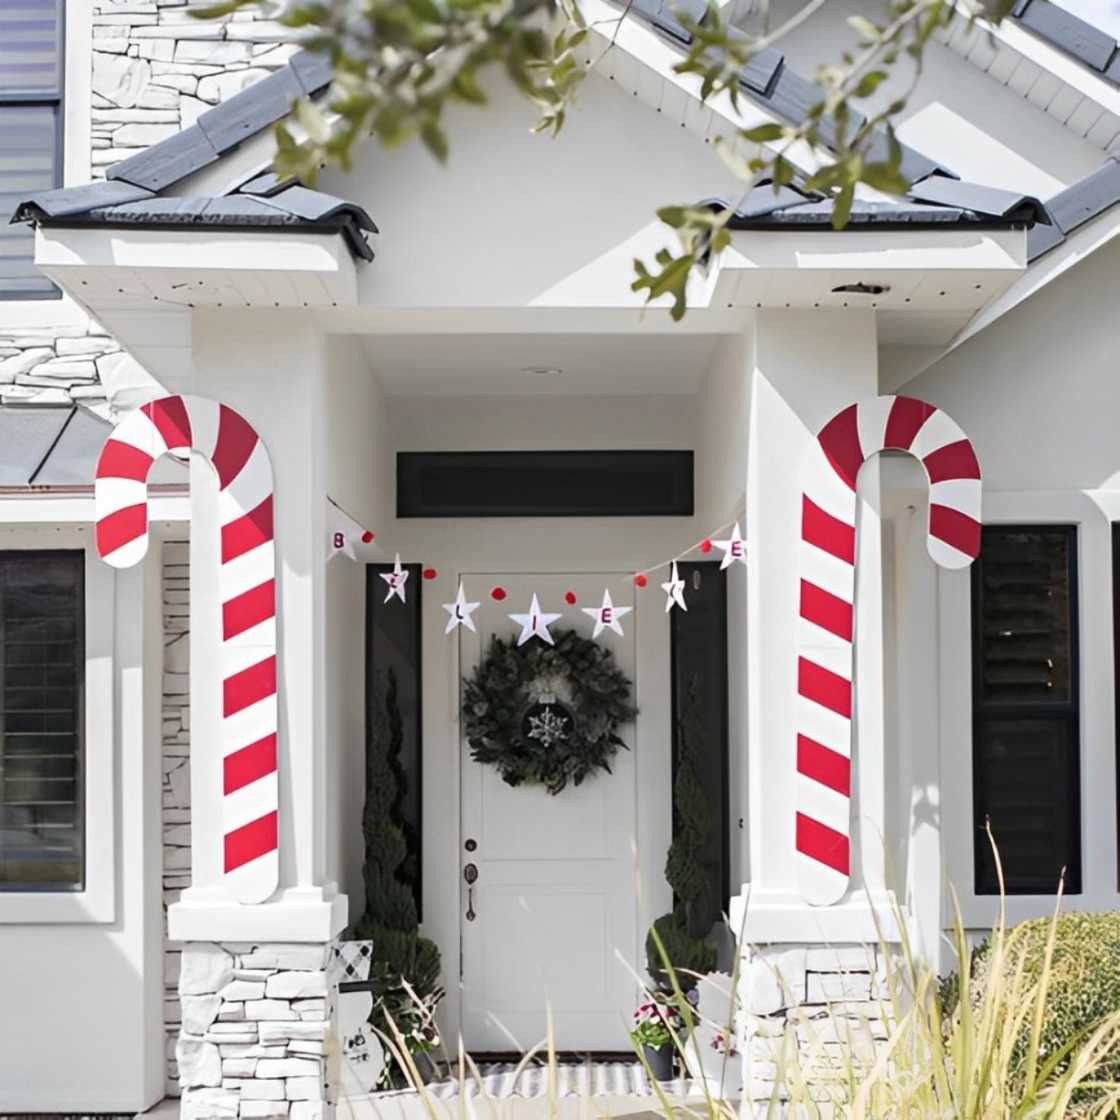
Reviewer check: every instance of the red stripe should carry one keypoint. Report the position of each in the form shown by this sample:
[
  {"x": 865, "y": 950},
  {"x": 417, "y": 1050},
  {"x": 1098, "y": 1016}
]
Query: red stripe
[
  {"x": 122, "y": 460},
  {"x": 839, "y": 439},
  {"x": 249, "y": 686},
  {"x": 954, "y": 460},
  {"x": 172, "y": 421},
  {"x": 826, "y": 532},
  {"x": 824, "y": 687},
  {"x": 824, "y": 844},
  {"x": 234, "y": 445},
  {"x": 955, "y": 528},
  {"x": 246, "y": 533},
  {"x": 823, "y": 765},
  {"x": 122, "y": 527},
  {"x": 248, "y": 609},
  {"x": 905, "y": 421},
  {"x": 251, "y": 841},
  {"x": 249, "y": 764},
  {"x": 826, "y": 610}
]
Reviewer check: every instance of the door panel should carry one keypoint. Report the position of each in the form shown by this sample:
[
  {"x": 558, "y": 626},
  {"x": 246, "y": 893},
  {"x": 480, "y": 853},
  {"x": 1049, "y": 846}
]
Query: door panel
[{"x": 554, "y": 901}]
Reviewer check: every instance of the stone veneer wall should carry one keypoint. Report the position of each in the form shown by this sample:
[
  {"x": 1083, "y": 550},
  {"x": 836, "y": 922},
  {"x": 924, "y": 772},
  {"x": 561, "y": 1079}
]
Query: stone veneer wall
[
  {"x": 176, "y": 741},
  {"x": 155, "y": 69},
  {"x": 817, "y": 999},
  {"x": 257, "y": 1030}
]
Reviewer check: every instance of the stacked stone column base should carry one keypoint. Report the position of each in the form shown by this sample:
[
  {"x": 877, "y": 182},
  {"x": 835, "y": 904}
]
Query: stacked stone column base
[
  {"x": 813, "y": 1006},
  {"x": 257, "y": 1037}
]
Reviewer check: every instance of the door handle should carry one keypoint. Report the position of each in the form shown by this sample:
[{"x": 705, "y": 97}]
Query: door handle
[{"x": 470, "y": 874}]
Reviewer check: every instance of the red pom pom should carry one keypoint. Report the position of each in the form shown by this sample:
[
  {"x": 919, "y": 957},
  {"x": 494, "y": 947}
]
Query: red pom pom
[
  {"x": 367, "y": 536},
  {"x": 570, "y": 598},
  {"x": 640, "y": 580},
  {"x": 429, "y": 573},
  {"x": 705, "y": 545},
  {"x": 498, "y": 593}
]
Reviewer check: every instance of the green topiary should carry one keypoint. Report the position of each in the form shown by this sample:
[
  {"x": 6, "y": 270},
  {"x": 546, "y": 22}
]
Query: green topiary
[
  {"x": 684, "y": 931},
  {"x": 1085, "y": 977},
  {"x": 402, "y": 959}
]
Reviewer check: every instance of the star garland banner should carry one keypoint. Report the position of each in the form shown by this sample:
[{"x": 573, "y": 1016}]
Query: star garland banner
[
  {"x": 460, "y": 611},
  {"x": 607, "y": 615},
  {"x": 344, "y": 534},
  {"x": 674, "y": 590},
  {"x": 396, "y": 580},
  {"x": 547, "y": 714}
]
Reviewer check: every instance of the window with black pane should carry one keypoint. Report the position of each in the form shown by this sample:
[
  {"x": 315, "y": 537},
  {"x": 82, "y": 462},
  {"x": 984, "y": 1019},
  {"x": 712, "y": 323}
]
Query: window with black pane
[
  {"x": 42, "y": 669},
  {"x": 31, "y": 59},
  {"x": 1025, "y": 749}
]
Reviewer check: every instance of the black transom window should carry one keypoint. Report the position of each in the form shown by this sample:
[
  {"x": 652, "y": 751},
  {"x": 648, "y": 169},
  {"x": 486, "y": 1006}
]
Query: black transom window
[
  {"x": 31, "y": 56},
  {"x": 1026, "y": 738},
  {"x": 42, "y": 670}
]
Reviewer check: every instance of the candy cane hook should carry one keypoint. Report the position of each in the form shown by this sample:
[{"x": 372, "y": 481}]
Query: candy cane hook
[
  {"x": 247, "y": 582},
  {"x": 828, "y": 557}
]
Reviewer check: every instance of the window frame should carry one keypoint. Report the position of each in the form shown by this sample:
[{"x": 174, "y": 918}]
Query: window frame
[
  {"x": 95, "y": 901},
  {"x": 38, "y": 99},
  {"x": 1092, "y": 511},
  {"x": 75, "y": 886},
  {"x": 1066, "y": 712}
]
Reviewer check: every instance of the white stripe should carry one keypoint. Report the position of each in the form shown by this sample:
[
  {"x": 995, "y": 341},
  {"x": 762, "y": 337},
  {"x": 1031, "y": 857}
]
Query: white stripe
[
  {"x": 128, "y": 554},
  {"x": 824, "y": 804},
  {"x": 248, "y": 488},
  {"x": 939, "y": 430},
  {"x": 261, "y": 638},
  {"x": 254, "y": 881},
  {"x": 946, "y": 556},
  {"x": 871, "y": 422},
  {"x": 249, "y": 725},
  {"x": 825, "y": 726},
  {"x": 819, "y": 884},
  {"x": 827, "y": 489},
  {"x": 139, "y": 431},
  {"x": 205, "y": 415},
  {"x": 236, "y": 658},
  {"x": 113, "y": 494},
  {"x": 249, "y": 803},
  {"x": 958, "y": 493},
  {"x": 827, "y": 572},
  {"x": 247, "y": 571},
  {"x": 824, "y": 647}
]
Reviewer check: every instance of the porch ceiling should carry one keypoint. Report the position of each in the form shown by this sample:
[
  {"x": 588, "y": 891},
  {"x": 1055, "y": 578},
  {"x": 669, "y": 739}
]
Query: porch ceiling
[{"x": 540, "y": 364}]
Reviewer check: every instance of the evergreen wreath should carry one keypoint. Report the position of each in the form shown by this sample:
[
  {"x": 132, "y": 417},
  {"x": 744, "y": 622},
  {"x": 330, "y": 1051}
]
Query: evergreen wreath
[{"x": 546, "y": 715}]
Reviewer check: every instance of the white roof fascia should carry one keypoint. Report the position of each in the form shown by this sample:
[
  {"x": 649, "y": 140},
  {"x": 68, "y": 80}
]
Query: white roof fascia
[
  {"x": 642, "y": 62},
  {"x": 1078, "y": 245},
  {"x": 971, "y": 45}
]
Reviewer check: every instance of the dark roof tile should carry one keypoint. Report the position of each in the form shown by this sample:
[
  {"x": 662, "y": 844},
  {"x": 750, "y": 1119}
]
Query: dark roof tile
[
  {"x": 261, "y": 104},
  {"x": 991, "y": 201},
  {"x": 168, "y": 161},
  {"x": 77, "y": 200}
]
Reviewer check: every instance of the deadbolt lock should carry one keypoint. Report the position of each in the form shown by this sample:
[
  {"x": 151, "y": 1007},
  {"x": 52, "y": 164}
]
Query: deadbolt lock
[{"x": 470, "y": 873}]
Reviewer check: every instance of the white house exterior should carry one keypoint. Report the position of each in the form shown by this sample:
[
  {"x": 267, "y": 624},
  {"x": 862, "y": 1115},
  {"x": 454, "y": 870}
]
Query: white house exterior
[{"x": 193, "y": 271}]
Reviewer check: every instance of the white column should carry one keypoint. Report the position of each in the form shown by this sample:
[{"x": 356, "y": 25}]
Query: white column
[
  {"x": 271, "y": 368},
  {"x": 805, "y": 366}
]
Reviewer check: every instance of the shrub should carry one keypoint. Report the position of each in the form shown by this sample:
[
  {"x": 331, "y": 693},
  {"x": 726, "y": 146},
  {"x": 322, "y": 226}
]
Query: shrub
[{"x": 1085, "y": 977}]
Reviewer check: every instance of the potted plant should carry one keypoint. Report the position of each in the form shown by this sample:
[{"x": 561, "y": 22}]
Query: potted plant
[{"x": 655, "y": 1022}]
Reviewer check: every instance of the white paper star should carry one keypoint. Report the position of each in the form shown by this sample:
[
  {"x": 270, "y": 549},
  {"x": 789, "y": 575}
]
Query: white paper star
[
  {"x": 607, "y": 615},
  {"x": 460, "y": 612},
  {"x": 734, "y": 548},
  {"x": 534, "y": 624},
  {"x": 396, "y": 579},
  {"x": 674, "y": 591}
]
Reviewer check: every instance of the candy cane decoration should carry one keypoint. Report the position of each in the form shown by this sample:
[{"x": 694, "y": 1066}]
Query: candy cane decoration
[
  {"x": 247, "y": 582},
  {"x": 828, "y": 557}
]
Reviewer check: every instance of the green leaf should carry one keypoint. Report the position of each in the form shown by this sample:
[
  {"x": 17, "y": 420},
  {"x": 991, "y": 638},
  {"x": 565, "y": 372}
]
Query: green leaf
[
  {"x": 842, "y": 207},
  {"x": 865, "y": 28},
  {"x": 435, "y": 139},
  {"x": 869, "y": 83},
  {"x": 763, "y": 133},
  {"x": 885, "y": 178}
]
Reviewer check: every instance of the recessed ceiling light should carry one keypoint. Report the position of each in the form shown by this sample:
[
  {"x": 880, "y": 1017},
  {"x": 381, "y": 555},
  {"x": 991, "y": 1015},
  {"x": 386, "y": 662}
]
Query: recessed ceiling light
[{"x": 543, "y": 371}]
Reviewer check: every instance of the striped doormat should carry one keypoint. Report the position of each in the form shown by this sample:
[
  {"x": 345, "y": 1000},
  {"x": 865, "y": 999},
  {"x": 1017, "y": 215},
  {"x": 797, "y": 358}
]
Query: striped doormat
[{"x": 584, "y": 1079}]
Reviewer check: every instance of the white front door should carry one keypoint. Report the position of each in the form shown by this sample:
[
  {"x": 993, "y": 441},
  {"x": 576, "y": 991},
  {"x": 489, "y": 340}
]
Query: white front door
[{"x": 554, "y": 904}]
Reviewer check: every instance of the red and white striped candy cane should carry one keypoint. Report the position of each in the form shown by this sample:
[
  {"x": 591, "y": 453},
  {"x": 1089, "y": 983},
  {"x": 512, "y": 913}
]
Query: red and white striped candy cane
[
  {"x": 828, "y": 557},
  {"x": 247, "y": 582}
]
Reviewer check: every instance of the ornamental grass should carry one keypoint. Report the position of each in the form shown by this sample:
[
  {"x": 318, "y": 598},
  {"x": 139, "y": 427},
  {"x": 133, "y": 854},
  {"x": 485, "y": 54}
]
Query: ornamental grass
[{"x": 1037, "y": 1038}]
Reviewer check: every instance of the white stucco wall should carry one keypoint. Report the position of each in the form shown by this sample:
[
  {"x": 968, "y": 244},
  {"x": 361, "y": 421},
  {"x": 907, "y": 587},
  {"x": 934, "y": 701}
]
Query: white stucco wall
[{"x": 83, "y": 987}]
